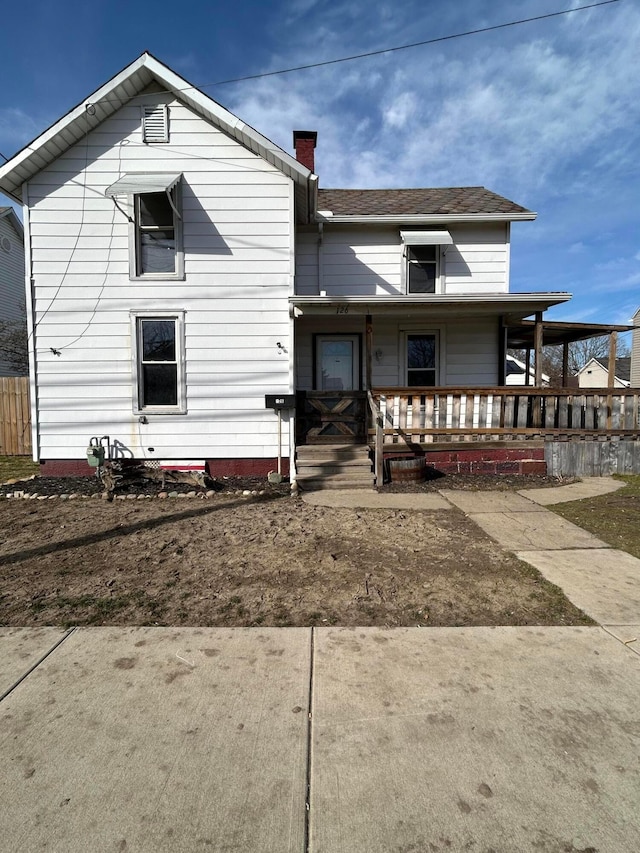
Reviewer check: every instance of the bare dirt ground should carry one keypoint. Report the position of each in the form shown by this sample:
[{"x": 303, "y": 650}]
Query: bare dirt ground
[{"x": 249, "y": 559}]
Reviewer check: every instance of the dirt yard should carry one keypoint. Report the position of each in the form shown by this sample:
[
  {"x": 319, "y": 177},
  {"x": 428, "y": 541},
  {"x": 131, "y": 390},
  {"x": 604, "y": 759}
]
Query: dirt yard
[{"x": 272, "y": 560}]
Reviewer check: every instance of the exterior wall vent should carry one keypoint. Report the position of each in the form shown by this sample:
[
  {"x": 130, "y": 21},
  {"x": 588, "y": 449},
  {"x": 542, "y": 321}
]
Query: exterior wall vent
[{"x": 155, "y": 123}]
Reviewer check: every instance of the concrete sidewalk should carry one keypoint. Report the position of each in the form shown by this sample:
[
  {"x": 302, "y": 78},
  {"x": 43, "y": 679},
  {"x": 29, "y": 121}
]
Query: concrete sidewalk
[{"x": 155, "y": 739}]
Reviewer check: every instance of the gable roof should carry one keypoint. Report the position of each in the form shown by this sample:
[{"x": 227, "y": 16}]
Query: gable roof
[
  {"x": 623, "y": 367},
  {"x": 118, "y": 91},
  {"x": 10, "y": 214},
  {"x": 443, "y": 203}
]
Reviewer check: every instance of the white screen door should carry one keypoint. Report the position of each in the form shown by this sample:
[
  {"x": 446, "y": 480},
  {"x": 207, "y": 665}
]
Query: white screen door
[{"x": 337, "y": 363}]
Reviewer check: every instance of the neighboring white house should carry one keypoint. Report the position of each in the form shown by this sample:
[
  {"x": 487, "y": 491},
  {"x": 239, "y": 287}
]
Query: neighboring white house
[
  {"x": 183, "y": 267},
  {"x": 635, "y": 351},
  {"x": 11, "y": 273},
  {"x": 595, "y": 373},
  {"x": 516, "y": 373}
]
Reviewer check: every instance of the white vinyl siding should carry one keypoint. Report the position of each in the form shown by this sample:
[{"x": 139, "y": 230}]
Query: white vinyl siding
[
  {"x": 238, "y": 248},
  {"x": 467, "y": 351},
  {"x": 359, "y": 262},
  {"x": 635, "y": 352}
]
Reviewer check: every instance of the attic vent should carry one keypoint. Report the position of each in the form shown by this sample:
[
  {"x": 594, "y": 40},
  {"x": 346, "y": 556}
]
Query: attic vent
[{"x": 155, "y": 123}]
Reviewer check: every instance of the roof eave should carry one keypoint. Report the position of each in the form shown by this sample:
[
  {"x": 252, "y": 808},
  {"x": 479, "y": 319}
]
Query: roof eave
[
  {"x": 425, "y": 219},
  {"x": 58, "y": 138},
  {"x": 514, "y": 305}
]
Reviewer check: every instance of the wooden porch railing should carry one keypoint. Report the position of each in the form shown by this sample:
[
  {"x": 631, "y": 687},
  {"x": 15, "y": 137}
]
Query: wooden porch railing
[{"x": 427, "y": 415}]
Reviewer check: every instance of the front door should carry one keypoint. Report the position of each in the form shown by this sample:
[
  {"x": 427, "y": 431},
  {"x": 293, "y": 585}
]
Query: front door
[
  {"x": 337, "y": 362},
  {"x": 335, "y": 411}
]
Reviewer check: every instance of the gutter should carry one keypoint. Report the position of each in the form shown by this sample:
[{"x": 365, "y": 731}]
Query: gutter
[{"x": 424, "y": 219}]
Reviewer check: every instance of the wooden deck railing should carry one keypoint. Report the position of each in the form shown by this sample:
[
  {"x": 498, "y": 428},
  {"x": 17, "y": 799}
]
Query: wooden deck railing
[{"x": 427, "y": 415}]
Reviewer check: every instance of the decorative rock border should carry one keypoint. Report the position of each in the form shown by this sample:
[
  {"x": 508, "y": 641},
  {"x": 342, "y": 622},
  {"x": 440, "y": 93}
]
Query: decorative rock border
[{"x": 20, "y": 494}]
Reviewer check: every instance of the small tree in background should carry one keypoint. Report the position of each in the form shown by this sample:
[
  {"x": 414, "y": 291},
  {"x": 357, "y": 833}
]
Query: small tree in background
[{"x": 14, "y": 347}]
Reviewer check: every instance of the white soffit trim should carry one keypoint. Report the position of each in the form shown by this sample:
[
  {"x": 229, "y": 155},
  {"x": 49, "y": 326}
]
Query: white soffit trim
[
  {"x": 427, "y": 238},
  {"x": 143, "y": 182}
]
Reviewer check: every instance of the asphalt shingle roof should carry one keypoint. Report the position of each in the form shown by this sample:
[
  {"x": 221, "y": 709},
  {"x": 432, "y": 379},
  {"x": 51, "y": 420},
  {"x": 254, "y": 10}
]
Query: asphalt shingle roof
[
  {"x": 416, "y": 202},
  {"x": 623, "y": 367}
]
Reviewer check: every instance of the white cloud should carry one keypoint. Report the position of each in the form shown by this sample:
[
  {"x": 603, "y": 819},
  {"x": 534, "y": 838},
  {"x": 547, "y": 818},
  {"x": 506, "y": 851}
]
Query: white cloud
[
  {"x": 16, "y": 129},
  {"x": 401, "y": 111}
]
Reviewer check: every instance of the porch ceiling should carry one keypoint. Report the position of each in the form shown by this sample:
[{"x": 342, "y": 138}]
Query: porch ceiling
[{"x": 514, "y": 306}]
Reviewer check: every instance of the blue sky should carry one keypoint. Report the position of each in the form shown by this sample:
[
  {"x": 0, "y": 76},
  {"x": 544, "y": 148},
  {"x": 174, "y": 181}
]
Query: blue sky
[{"x": 547, "y": 113}]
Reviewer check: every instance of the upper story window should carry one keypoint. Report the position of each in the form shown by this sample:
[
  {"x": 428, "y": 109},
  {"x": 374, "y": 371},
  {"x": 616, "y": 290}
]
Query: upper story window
[
  {"x": 422, "y": 254},
  {"x": 156, "y": 246},
  {"x": 155, "y": 123},
  {"x": 155, "y": 230},
  {"x": 422, "y": 268}
]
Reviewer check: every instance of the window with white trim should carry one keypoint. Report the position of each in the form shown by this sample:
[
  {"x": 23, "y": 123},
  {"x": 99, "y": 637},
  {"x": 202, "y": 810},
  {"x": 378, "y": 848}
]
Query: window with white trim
[
  {"x": 422, "y": 359},
  {"x": 155, "y": 123},
  {"x": 158, "y": 249},
  {"x": 159, "y": 376},
  {"x": 422, "y": 253},
  {"x": 422, "y": 268}
]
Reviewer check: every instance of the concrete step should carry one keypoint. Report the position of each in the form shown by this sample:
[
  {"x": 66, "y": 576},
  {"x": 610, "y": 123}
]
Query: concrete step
[
  {"x": 308, "y": 469},
  {"x": 331, "y": 451},
  {"x": 334, "y": 466},
  {"x": 314, "y": 484}
]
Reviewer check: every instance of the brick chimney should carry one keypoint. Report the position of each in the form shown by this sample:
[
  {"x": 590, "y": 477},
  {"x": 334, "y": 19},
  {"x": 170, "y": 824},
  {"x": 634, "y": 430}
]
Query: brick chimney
[{"x": 304, "y": 143}]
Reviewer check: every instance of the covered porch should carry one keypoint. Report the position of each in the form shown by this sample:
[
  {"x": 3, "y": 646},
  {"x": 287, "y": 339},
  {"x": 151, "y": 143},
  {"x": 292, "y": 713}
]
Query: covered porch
[{"x": 423, "y": 419}]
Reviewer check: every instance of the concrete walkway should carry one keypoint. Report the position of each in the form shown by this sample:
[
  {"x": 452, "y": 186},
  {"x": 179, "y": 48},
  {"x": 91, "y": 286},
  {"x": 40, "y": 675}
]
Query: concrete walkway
[{"x": 336, "y": 740}]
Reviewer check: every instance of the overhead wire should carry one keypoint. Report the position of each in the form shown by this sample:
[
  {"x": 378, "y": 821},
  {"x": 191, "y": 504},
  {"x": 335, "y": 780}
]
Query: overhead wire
[
  {"x": 438, "y": 39},
  {"x": 404, "y": 46}
]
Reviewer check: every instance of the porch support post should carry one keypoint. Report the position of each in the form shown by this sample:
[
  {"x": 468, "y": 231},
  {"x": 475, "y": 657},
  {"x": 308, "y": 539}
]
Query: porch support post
[
  {"x": 613, "y": 350},
  {"x": 368, "y": 349},
  {"x": 527, "y": 360},
  {"x": 565, "y": 364},
  {"x": 538, "y": 341},
  {"x": 538, "y": 337},
  {"x": 502, "y": 352}
]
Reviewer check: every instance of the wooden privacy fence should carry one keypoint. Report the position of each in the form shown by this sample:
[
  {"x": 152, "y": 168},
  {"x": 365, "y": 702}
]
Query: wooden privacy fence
[
  {"x": 423, "y": 416},
  {"x": 15, "y": 418}
]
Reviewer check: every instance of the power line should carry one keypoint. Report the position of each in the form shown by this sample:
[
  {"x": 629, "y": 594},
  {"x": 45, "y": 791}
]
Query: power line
[
  {"x": 404, "y": 46},
  {"x": 373, "y": 52}
]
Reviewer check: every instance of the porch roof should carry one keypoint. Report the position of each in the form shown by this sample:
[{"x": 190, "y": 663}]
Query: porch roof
[
  {"x": 512, "y": 306},
  {"x": 555, "y": 332}
]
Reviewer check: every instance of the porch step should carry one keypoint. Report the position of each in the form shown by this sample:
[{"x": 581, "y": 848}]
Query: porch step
[{"x": 334, "y": 467}]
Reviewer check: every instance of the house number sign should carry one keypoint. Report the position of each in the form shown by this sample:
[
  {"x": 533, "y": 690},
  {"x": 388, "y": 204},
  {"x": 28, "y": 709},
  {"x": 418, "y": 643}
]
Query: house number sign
[{"x": 342, "y": 309}]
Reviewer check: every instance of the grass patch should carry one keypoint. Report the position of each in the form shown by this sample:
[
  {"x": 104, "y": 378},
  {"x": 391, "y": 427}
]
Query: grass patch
[
  {"x": 614, "y": 518},
  {"x": 12, "y": 467}
]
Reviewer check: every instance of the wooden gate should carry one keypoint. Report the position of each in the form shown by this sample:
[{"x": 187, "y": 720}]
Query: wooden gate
[
  {"x": 332, "y": 417},
  {"x": 15, "y": 419}
]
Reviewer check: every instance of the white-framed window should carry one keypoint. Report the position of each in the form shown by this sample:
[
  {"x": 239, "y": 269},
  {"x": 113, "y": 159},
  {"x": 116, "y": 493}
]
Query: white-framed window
[
  {"x": 159, "y": 381},
  {"x": 422, "y": 361},
  {"x": 157, "y": 250},
  {"x": 155, "y": 223},
  {"x": 155, "y": 123},
  {"x": 422, "y": 268},
  {"x": 423, "y": 254}
]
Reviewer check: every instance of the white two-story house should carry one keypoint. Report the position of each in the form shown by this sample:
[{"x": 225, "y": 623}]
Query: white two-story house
[{"x": 184, "y": 274}]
